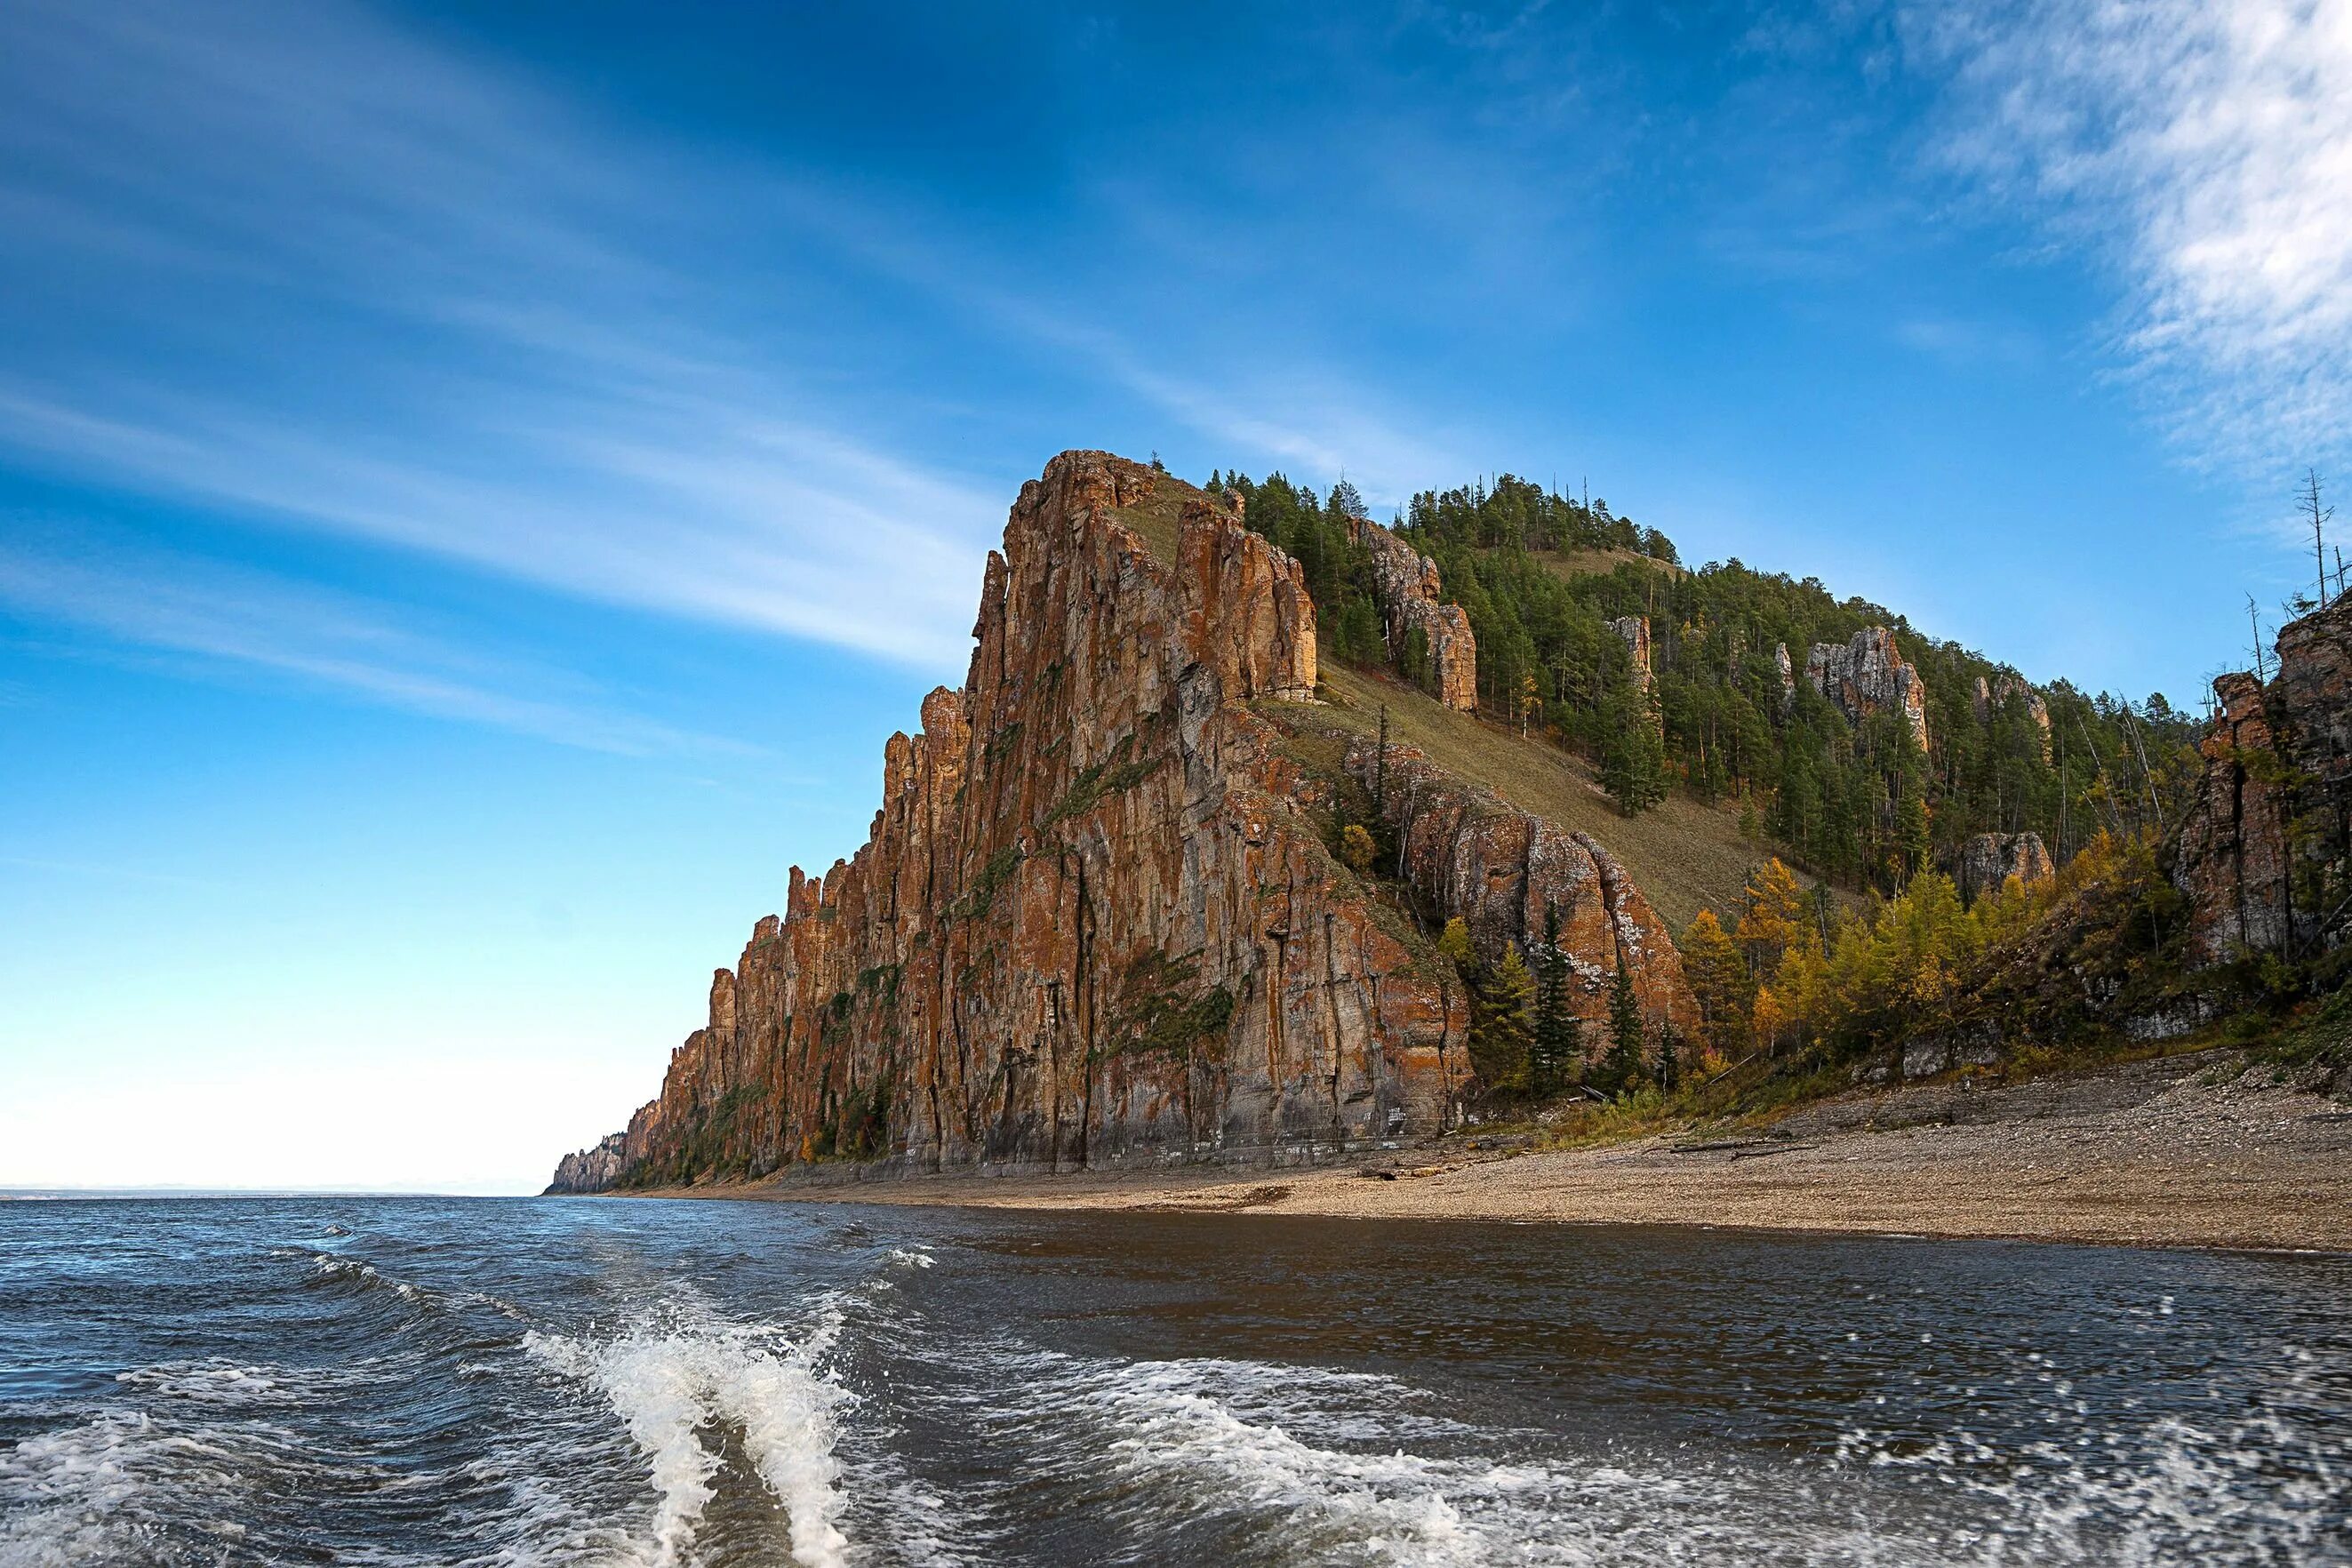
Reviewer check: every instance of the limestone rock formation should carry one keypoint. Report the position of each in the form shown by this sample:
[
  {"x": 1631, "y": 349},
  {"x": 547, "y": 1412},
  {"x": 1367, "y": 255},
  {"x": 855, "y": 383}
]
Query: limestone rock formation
[
  {"x": 1406, "y": 584},
  {"x": 592, "y": 1170},
  {"x": 1472, "y": 854},
  {"x": 1787, "y": 674},
  {"x": 1867, "y": 675},
  {"x": 1989, "y": 697},
  {"x": 1988, "y": 860},
  {"x": 1634, "y": 632},
  {"x": 1094, "y": 921},
  {"x": 2265, "y": 854}
]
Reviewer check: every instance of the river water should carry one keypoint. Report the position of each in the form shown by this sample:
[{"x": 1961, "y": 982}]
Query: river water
[{"x": 586, "y": 1382}]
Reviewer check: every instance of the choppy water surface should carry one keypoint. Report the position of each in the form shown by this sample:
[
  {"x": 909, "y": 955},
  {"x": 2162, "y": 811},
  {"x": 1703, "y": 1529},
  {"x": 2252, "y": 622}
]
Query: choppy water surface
[{"x": 576, "y": 1382}]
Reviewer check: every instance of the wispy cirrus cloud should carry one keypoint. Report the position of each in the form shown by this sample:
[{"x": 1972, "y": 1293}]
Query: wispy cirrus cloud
[
  {"x": 2203, "y": 150},
  {"x": 214, "y": 618},
  {"x": 366, "y": 287}
]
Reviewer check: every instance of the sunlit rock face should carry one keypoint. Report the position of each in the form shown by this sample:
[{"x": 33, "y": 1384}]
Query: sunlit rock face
[
  {"x": 1634, "y": 631},
  {"x": 1867, "y": 675},
  {"x": 2265, "y": 854},
  {"x": 1509, "y": 875},
  {"x": 592, "y": 1170},
  {"x": 1407, "y": 586},
  {"x": 1094, "y": 922}
]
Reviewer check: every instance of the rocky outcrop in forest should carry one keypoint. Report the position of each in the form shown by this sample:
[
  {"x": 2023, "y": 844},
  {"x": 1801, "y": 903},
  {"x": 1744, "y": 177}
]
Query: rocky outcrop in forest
[
  {"x": 1867, "y": 675},
  {"x": 1406, "y": 585},
  {"x": 1096, "y": 920},
  {"x": 1990, "y": 697},
  {"x": 1634, "y": 632},
  {"x": 1988, "y": 860},
  {"x": 2265, "y": 854},
  {"x": 1469, "y": 853}
]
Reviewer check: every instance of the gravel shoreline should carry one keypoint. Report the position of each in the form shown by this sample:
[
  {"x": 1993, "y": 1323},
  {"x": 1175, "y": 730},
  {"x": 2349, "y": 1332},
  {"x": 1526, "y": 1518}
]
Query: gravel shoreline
[{"x": 2148, "y": 1153}]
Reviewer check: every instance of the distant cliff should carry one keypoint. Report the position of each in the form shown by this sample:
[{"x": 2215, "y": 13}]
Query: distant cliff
[
  {"x": 1098, "y": 920},
  {"x": 593, "y": 1169}
]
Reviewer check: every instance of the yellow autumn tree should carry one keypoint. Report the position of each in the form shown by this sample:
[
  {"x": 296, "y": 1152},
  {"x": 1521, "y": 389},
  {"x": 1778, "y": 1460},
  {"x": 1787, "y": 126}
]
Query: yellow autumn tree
[
  {"x": 1718, "y": 977},
  {"x": 1772, "y": 917}
]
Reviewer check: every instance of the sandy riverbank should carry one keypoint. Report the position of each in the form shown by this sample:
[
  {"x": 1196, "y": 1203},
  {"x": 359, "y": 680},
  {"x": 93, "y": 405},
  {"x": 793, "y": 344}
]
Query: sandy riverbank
[{"x": 2148, "y": 1154}]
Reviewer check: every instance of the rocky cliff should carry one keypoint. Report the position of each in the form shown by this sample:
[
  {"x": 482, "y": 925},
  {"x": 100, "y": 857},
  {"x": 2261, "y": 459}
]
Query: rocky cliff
[
  {"x": 1093, "y": 921},
  {"x": 1867, "y": 675},
  {"x": 1096, "y": 920},
  {"x": 592, "y": 1170},
  {"x": 1988, "y": 860},
  {"x": 1990, "y": 697},
  {"x": 1470, "y": 853},
  {"x": 2265, "y": 854},
  {"x": 1407, "y": 586}
]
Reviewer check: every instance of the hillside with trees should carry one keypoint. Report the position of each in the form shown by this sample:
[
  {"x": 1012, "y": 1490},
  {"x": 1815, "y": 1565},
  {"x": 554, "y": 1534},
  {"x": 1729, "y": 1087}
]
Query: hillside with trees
[
  {"x": 1759, "y": 772},
  {"x": 1858, "y": 804}
]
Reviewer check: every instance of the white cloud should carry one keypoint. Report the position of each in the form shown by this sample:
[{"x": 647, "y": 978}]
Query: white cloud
[
  {"x": 363, "y": 286},
  {"x": 2205, "y": 150},
  {"x": 224, "y": 615}
]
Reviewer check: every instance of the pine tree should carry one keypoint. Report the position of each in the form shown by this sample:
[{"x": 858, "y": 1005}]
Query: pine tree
[
  {"x": 1670, "y": 1050},
  {"x": 1558, "y": 1032},
  {"x": 1632, "y": 754}
]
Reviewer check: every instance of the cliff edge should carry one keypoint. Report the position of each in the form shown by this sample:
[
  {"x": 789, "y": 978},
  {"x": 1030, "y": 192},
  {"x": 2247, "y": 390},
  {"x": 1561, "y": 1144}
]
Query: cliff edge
[{"x": 1096, "y": 922}]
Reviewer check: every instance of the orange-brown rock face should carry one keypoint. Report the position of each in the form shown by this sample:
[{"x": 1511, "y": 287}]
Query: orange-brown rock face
[
  {"x": 1635, "y": 632},
  {"x": 2265, "y": 854},
  {"x": 2232, "y": 858},
  {"x": 1502, "y": 871},
  {"x": 1093, "y": 922},
  {"x": 1407, "y": 586}
]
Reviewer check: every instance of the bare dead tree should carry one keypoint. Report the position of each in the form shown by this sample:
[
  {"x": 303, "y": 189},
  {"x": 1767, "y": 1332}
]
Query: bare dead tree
[
  {"x": 2254, "y": 619},
  {"x": 2308, "y": 498}
]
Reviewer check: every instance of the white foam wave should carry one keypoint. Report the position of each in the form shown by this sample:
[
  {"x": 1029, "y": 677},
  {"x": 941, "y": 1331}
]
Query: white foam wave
[
  {"x": 227, "y": 1385},
  {"x": 669, "y": 1384},
  {"x": 365, "y": 1273},
  {"x": 1345, "y": 1469},
  {"x": 94, "y": 1494}
]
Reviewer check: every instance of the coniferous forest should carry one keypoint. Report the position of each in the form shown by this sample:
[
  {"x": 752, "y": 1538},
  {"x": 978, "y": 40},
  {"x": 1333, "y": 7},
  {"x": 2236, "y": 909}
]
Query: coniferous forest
[{"x": 1540, "y": 575}]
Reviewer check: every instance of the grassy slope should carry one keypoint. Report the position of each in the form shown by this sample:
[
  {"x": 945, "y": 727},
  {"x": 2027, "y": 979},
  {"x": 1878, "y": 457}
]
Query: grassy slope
[
  {"x": 1594, "y": 562},
  {"x": 1684, "y": 855}
]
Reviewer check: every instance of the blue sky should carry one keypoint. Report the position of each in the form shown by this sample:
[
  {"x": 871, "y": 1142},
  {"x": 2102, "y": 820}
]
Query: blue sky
[{"x": 478, "y": 484}]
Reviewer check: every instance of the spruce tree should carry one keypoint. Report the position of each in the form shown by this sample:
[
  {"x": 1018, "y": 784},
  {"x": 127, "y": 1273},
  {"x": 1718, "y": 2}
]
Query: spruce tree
[
  {"x": 1670, "y": 1050},
  {"x": 1558, "y": 1031},
  {"x": 1624, "y": 1064}
]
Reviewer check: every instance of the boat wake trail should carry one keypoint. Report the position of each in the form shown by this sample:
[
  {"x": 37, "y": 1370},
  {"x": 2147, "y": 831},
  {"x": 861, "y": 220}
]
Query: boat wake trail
[{"x": 683, "y": 1387}]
